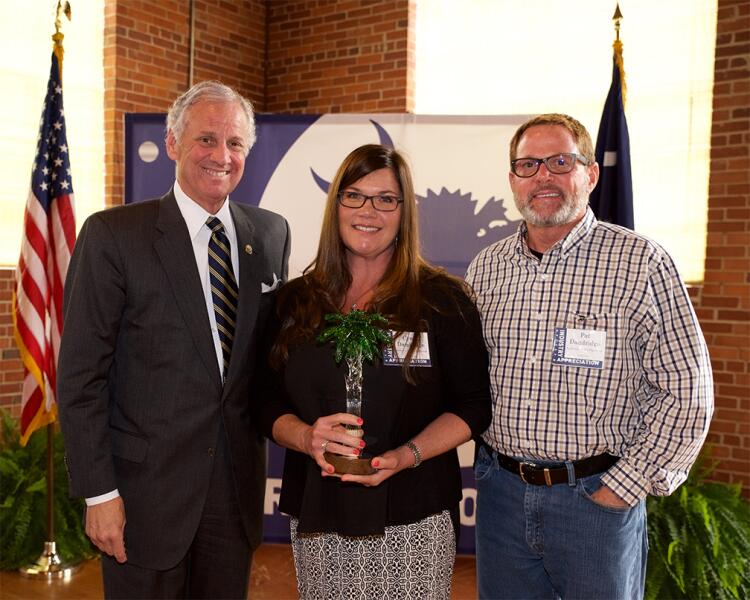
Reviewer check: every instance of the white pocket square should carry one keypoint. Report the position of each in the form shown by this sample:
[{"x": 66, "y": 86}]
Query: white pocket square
[{"x": 265, "y": 287}]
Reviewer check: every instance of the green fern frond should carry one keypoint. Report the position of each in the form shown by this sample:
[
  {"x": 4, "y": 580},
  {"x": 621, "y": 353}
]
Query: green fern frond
[
  {"x": 21, "y": 525},
  {"x": 23, "y": 500},
  {"x": 657, "y": 577},
  {"x": 699, "y": 541}
]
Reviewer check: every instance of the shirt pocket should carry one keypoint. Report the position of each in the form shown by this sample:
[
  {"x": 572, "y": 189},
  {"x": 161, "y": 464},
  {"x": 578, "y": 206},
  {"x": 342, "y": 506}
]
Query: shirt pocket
[
  {"x": 597, "y": 386},
  {"x": 609, "y": 323}
]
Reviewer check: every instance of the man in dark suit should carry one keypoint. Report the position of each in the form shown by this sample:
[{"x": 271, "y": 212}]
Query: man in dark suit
[{"x": 165, "y": 302}]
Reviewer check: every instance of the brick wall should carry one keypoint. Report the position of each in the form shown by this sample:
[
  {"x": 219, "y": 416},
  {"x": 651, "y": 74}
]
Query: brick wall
[
  {"x": 11, "y": 369},
  {"x": 723, "y": 306},
  {"x": 345, "y": 56},
  {"x": 146, "y": 61}
]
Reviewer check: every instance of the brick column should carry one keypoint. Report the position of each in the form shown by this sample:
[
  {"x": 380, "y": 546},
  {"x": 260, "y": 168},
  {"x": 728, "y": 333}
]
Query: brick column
[
  {"x": 724, "y": 304},
  {"x": 330, "y": 57}
]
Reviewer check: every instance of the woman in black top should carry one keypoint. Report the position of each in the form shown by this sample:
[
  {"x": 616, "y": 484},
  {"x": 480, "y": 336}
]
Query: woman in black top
[{"x": 392, "y": 533}]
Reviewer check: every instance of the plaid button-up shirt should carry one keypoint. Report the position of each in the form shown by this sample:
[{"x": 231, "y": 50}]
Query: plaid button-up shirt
[{"x": 651, "y": 401}]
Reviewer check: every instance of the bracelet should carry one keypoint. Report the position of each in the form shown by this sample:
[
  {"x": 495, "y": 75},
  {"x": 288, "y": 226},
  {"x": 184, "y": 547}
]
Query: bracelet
[{"x": 415, "y": 451}]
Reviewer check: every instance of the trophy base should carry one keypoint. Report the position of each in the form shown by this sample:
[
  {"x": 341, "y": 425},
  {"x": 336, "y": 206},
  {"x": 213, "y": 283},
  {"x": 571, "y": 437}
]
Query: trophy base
[{"x": 349, "y": 465}]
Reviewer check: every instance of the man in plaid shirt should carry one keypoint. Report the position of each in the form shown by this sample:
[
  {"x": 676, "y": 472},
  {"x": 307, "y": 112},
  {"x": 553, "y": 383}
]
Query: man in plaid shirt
[{"x": 601, "y": 383}]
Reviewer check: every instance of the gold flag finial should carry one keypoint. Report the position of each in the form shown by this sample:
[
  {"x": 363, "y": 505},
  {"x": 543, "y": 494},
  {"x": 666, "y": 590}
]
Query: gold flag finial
[
  {"x": 62, "y": 9},
  {"x": 617, "y": 45},
  {"x": 617, "y": 18},
  {"x": 57, "y": 37}
]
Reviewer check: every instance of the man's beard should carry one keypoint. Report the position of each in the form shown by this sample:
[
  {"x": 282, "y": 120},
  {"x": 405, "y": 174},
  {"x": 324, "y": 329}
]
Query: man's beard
[{"x": 570, "y": 208}]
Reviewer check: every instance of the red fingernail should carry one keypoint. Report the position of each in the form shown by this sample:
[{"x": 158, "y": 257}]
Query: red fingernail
[
  {"x": 376, "y": 463},
  {"x": 330, "y": 469},
  {"x": 359, "y": 421},
  {"x": 361, "y": 443},
  {"x": 356, "y": 452}
]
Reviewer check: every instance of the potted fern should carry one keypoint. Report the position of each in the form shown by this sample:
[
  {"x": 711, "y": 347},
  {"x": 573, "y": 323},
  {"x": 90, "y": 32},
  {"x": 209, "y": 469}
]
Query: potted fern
[
  {"x": 699, "y": 540},
  {"x": 23, "y": 500}
]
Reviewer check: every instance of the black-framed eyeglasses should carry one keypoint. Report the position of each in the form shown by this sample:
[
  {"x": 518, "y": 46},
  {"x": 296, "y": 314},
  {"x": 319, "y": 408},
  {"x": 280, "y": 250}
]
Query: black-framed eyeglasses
[
  {"x": 381, "y": 202},
  {"x": 558, "y": 164}
]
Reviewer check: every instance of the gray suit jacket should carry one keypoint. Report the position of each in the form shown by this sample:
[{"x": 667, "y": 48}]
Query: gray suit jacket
[{"x": 139, "y": 388}]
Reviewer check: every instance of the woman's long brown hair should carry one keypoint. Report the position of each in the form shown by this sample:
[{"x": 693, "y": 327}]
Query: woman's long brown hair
[{"x": 303, "y": 303}]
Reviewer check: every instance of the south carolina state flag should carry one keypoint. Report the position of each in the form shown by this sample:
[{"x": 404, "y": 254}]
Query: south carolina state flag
[{"x": 612, "y": 199}]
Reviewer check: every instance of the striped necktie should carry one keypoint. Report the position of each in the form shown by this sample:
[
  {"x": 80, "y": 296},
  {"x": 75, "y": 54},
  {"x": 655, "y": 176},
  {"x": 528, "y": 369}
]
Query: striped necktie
[{"x": 224, "y": 290}]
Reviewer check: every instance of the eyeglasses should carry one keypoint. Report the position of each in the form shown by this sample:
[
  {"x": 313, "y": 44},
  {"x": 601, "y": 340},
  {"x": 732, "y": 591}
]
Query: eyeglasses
[
  {"x": 356, "y": 200},
  {"x": 557, "y": 164}
]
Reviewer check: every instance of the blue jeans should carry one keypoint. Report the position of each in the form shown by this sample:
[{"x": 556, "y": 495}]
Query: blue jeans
[{"x": 554, "y": 542}]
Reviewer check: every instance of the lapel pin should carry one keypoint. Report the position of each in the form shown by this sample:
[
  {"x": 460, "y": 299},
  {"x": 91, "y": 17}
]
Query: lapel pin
[{"x": 248, "y": 249}]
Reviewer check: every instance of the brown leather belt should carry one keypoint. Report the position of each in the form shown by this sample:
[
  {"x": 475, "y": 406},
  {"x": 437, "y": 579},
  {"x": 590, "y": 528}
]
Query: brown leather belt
[{"x": 534, "y": 474}]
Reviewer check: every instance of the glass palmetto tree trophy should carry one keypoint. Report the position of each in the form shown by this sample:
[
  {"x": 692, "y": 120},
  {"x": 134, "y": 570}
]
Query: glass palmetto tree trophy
[{"x": 357, "y": 336}]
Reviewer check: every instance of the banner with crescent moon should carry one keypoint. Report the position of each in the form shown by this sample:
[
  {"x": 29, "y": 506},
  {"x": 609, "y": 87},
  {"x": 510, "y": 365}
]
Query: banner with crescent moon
[{"x": 460, "y": 170}]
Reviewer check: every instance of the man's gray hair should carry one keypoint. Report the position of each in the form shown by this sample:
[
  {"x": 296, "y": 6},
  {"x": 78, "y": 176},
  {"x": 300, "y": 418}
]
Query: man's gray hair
[{"x": 209, "y": 91}]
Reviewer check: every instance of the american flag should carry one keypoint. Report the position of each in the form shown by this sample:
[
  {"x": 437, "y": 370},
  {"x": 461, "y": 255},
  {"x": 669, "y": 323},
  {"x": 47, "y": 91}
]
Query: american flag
[{"x": 48, "y": 237}]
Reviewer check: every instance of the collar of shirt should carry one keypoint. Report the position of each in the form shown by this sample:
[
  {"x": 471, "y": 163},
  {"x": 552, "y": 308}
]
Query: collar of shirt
[
  {"x": 580, "y": 232},
  {"x": 195, "y": 215}
]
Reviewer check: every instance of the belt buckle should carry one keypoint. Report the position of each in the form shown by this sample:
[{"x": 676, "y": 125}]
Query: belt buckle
[
  {"x": 520, "y": 470},
  {"x": 547, "y": 478}
]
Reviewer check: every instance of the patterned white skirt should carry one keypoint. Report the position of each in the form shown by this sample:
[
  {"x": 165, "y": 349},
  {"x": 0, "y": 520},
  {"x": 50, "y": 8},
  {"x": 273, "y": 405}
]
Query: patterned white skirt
[{"x": 409, "y": 561}]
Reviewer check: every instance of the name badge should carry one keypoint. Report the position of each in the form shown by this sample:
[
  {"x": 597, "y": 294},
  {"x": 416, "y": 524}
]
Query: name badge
[
  {"x": 579, "y": 348},
  {"x": 395, "y": 354}
]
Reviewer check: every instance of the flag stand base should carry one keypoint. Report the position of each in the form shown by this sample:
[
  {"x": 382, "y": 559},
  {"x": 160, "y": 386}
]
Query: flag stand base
[{"x": 49, "y": 565}]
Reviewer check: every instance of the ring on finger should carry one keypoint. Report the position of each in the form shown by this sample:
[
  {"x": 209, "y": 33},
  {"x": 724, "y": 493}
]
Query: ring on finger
[{"x": 324, "y": 445}]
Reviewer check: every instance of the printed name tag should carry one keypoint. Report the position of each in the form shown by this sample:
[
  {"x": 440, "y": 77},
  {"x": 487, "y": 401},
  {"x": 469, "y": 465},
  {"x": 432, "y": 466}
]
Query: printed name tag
[
  {"x": 394, "y": 355},
  {"x": 579, "y": 348}
]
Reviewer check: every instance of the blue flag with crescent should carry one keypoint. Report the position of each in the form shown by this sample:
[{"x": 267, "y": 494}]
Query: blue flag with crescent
[{"x": 612, "y": 199}]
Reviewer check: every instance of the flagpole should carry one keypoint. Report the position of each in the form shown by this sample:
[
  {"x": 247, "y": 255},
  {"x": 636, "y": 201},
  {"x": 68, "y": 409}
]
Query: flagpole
[
  {"x": 50, "y": 483},
  {"x": 49, "y": 565}
]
